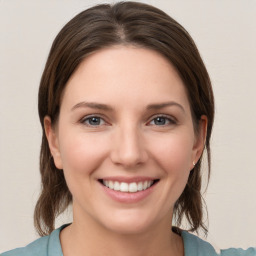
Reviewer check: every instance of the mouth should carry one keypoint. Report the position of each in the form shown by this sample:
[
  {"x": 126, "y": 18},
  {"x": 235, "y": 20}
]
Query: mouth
[{"x": 131, "y": 187}]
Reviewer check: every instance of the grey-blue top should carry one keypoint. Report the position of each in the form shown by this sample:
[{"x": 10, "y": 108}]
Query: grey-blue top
[{"x": 193, "y": 245}]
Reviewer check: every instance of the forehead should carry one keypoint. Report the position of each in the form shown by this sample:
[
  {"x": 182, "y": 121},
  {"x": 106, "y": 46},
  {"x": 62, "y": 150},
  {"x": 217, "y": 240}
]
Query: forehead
[{"x": 125, "y": 73}]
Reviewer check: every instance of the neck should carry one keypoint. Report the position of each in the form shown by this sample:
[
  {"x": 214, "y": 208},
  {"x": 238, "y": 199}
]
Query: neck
[{"x": 86, "y": 238}]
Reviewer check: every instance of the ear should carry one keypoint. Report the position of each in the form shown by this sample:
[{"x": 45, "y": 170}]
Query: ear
[
  {"x": 200, "y": 138},
  {"x": 53, "y": 141}
]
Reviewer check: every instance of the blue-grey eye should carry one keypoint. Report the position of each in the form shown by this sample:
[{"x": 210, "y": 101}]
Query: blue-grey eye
[
  {"x": 161, "y": 120},
  {"x": 94, "y": 121}
]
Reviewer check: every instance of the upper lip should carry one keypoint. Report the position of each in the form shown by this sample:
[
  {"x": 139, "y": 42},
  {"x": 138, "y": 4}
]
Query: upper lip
[{"x": 128, "y": 179}]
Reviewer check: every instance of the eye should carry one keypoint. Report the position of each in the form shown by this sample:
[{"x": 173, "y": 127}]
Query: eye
[
  {"x": 93, "y": 121},
  {"x": 161, "y": 121}
]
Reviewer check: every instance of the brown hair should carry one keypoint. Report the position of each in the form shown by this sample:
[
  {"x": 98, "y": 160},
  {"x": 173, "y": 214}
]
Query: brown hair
[{"x": 99, "y": 27}]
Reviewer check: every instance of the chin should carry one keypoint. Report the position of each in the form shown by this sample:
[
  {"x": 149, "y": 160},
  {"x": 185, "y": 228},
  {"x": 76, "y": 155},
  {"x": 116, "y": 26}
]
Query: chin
[
  {"x": 128, "y": 228},
  {"x": 129, "y": 223}
]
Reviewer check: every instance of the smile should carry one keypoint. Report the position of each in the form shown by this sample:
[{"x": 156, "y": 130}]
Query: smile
[{"x": 132, "y": 187}]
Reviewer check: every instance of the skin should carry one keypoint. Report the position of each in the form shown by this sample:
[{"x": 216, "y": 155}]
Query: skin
[{"x": 127, "y": 140}]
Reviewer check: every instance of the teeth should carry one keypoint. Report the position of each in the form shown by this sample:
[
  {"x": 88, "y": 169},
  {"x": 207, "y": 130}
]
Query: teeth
[
  {"x": 116, "y": 186},
  {"x": 111, "y": 184},
  {"x": 140, "y": 186},
  {"x": 145, "y": 185},
  {"x": 133, "y": 187},
  {"x": 128, "y": 187},
  {"x": 124, "y": 187}
]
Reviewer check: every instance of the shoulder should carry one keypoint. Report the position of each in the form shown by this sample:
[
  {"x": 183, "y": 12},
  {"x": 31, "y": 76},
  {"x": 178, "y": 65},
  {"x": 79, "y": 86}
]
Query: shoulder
[
  {"x": 195, "y": 246},
  {"x": 38, "y": 247},
  {"x": 44, "y": 246},
  {"x": 239, "y": 252}
]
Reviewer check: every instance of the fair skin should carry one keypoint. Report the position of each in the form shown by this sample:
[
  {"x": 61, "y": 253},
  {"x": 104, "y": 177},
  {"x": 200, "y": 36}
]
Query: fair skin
[{"x": 124, "y": 118}]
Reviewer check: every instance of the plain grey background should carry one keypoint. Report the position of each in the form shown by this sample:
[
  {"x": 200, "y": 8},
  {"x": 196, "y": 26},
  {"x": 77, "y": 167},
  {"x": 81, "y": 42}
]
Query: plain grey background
[{"x": 225, "y": 33}]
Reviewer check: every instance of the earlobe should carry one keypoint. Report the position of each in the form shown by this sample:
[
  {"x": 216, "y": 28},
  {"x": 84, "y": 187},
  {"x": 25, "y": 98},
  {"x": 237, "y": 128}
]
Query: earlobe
[
  {"x": 53, "y": 142},
  {"x": 200, "y": 140}
]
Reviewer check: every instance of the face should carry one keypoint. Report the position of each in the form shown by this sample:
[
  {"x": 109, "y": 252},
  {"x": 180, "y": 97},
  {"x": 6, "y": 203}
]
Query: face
[{"x": 125, "y": 139}]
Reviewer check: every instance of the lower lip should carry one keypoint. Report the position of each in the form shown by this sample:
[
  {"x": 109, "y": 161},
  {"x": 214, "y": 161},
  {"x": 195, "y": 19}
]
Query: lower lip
[{"x": 126, "y": 197}]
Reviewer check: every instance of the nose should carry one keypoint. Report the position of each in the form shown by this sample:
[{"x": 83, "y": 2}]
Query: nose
[{"x": 128, "y": 148}]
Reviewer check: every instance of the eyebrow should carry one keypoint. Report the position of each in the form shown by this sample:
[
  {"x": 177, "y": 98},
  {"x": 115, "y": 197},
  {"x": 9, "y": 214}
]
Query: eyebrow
[
  {"x": 164, "y": 105},
  {"x": 93, "y": 105}
]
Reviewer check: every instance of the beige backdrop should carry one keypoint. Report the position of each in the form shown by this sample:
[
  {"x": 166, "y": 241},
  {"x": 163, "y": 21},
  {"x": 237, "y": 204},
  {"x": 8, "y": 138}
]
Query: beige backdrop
[{"x": 225, "y": 32}]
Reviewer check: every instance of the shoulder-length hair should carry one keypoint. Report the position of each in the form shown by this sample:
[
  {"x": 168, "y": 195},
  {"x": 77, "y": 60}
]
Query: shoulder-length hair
[{"x": 123, "y": 23}]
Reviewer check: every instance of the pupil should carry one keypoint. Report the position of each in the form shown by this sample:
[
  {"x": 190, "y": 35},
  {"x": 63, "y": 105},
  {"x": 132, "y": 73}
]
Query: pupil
[
  {"x": 94, "y": 121},
  {"x": 160, "y": 120}
]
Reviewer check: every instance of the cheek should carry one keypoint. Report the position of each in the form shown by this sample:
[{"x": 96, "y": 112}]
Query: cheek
[
  {"x": 82, "y": 153},
  {"x": 174, "y": 153},
  {"x": 173, "y": 156}
]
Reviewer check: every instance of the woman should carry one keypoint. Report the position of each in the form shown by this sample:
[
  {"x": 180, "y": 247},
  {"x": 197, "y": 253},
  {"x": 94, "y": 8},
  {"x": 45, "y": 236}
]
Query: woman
[{"x": 127, "y": 109}]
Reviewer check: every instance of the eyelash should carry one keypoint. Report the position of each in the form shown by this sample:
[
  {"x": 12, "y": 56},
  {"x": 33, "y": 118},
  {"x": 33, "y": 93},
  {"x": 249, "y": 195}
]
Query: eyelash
[
  {"x": 168, "y": 119},
  {"x": 88, "y": 118}
]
